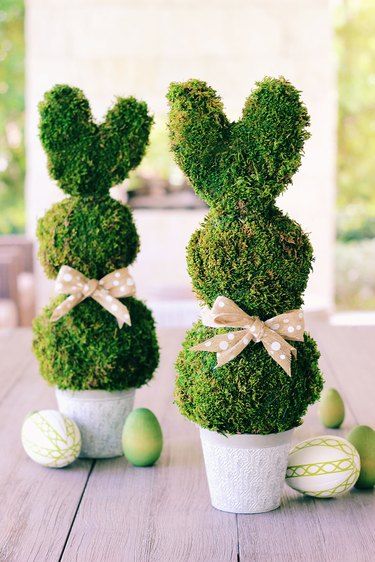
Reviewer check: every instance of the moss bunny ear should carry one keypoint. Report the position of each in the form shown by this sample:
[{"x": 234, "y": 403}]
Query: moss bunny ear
[
  {"x": 70, "y": 139},
  {"x": 86, "y": 158},
  {"x": 124, "y": 137},
  {"x": 271, "y": 135},
  {"x": 198, "y": 130}
]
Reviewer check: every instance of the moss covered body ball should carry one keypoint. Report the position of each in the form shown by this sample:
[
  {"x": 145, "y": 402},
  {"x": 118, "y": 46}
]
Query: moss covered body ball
[
  {"x": 92, "y": 233},
  {"x": 87, "y": 350},
  {"x": 246, "y": 250}
]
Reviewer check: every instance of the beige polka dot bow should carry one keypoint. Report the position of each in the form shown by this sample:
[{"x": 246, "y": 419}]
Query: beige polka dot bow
[
  {"x": 226, "y": 314},
  {"x": 106, "y": 292}
]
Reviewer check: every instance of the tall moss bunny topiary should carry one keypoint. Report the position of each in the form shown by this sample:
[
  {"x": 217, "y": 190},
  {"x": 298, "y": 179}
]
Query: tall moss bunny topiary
[
  {"x": 88, "y": 231},
  {"x": 246, "y": 250}
]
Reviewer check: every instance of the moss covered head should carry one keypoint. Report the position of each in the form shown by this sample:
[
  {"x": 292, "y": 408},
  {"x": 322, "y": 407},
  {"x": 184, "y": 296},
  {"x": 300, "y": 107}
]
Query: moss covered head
[
  {"x": 84, "y": 157},
  {"x": 248, "y": 162},
  {"x": 93, "y": 235}
]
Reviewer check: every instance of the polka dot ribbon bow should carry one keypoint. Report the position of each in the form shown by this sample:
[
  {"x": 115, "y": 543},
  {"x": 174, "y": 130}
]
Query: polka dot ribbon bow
[
  {"x": 226, "y": 314},
  {"x": 106, "y": 292}
]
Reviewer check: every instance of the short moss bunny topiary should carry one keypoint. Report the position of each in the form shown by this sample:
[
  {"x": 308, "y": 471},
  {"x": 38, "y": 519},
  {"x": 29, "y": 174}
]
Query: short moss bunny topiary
[
  {"x": 95, "y": 235},
  {"x": 246, "y": 250}
]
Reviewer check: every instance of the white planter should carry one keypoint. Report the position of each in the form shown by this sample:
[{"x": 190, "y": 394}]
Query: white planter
[
  {"x": 245, "y": 473},
  {"x": 100, "y": 416}
]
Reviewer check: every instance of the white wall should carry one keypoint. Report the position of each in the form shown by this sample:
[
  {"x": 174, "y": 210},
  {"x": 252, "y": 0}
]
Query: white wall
[{"x": 122, "y": 47}]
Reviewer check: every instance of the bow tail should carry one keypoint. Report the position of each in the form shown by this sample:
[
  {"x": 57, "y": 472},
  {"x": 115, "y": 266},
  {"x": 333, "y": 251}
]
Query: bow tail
[
  {"x": 279, "y": 349},
  {"x": 66, "y": 306},
  {"x": 114, "y": 306}
]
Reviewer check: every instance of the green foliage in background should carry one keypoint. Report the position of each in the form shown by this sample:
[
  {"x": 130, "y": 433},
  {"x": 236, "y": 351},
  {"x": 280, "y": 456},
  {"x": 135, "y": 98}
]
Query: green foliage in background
[
  {"x": 158, "y": 162},
  {"x": 246, "y": 249},
  {"x": 12, "y": 152},
  {"x": 94, "y": 234},
  {"x": 355, "y": 249},
  {"x": 355, "y": 41}
]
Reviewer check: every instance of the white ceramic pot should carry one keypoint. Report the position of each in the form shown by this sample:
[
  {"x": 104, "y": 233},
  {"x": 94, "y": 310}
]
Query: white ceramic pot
[
  {"x": 100, "y": 416},
  {"x": 245, "y": 473}
]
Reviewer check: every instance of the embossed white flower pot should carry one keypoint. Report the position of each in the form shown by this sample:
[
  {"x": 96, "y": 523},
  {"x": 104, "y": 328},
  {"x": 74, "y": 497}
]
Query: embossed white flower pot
[
  {"x": 100, "y": 416},
  {"x": 246, "y": 473}
]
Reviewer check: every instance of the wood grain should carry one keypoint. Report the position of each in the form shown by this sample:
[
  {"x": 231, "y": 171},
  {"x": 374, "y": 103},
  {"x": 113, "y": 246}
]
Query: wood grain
[
  {"x": 118, "y": 512},
  {"x": 37, "y": 504}
]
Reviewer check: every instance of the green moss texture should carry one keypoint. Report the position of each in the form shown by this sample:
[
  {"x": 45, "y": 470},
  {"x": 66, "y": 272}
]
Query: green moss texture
[
  {"x": 85, "y": 157},
  {"x": 94, "y": 234},
  {"x": 86, "y": 350},
  {"x": 247, "y": 250}
]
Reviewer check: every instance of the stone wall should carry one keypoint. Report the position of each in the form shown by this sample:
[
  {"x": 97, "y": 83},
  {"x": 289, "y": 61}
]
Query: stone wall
[{"x": 137, "y": 47}]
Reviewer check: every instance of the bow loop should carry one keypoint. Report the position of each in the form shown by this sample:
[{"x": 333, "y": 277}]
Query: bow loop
[
  {"x": 226, "y": 314},
  {"x": 106, "y": 292}
]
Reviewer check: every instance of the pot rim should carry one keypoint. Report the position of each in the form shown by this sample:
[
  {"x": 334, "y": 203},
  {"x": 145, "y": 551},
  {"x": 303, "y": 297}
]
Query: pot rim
[
  {"x": 246, "y": 440},
  {"x": 94, "y": 395}
]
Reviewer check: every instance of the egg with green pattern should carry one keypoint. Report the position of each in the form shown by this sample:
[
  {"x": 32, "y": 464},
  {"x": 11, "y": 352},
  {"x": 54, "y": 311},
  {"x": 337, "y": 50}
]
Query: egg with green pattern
[
  {"x": 142, "y": 438},
  {"x": 323, "y": 467},
  {"x": 51, "y": 438}
]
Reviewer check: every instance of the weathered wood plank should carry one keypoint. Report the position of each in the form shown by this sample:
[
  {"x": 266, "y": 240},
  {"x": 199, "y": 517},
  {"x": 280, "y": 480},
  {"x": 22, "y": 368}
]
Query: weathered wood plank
[
  {"x": 351, "y": 353},
  {"x": 15, "y": 349},
  {"x": 161, "y": 513},
  {"x": 37, "y": 504},
  {"x": 320, "y": 530}
]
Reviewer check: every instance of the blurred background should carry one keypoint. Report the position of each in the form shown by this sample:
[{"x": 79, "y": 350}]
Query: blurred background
[{"x": 137, "y": 47}]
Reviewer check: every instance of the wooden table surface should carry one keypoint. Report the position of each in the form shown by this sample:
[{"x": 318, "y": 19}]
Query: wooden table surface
[{"x": 110, "y": 511}]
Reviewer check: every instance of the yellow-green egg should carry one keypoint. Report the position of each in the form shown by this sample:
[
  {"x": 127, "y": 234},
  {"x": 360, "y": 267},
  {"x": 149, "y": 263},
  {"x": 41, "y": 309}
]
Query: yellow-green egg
[
  {"x": 142, "y": 437},
  {"x": 362, "y": 438},
  {"x": 331, "y": 409}
]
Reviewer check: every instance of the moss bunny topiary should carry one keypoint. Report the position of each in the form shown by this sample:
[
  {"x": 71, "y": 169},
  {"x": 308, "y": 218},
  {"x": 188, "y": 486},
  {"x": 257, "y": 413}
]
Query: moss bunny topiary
[
  {"x": 246, "y": 250},
  {"x": 95, "y": 235}
]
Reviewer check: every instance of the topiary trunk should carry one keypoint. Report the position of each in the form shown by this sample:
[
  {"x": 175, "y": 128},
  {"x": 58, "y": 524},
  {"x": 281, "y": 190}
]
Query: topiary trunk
[
  {"x": 246, "y": 250},
  {"x": 94, "y": 234}
]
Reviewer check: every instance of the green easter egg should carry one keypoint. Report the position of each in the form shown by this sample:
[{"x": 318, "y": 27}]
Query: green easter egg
[
  {"x": 142, "y": 438},
  {"x": 331, "y": 409},
  {"x": 363, "y": 439}
]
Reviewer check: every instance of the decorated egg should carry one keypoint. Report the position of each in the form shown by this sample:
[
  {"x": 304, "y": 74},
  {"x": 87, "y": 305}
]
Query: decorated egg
[
  {"x": 331, "y": 408},
  {"x": 142, "y": 438},
  {"x": 50, "y": 438},
  {"x": 323, "y": 467},
  {"x": 363, "y": 439}
]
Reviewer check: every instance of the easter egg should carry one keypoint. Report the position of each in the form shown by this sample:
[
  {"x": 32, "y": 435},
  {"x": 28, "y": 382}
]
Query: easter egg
[
  {"x": 142, "y": 438},
  {"x": 50, "y": 438},
  {"x": 323, "y": 467},
  {"x": 331, "y": 409},
  {"x": 363, "y": 439}
]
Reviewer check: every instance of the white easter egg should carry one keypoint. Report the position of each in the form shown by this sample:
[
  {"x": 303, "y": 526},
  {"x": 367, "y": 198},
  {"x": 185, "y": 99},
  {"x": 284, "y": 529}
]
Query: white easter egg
[
  {"x": 323, "y": 467},
  {"x": 50, "y": 438}
]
